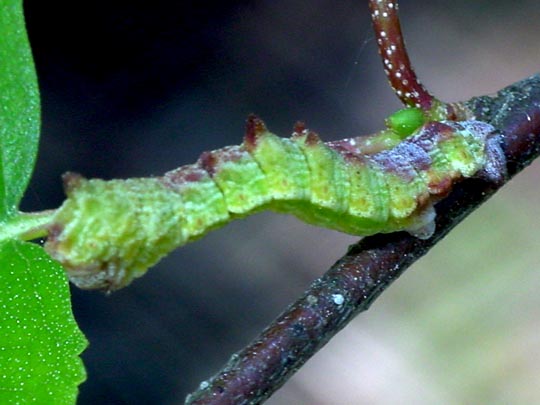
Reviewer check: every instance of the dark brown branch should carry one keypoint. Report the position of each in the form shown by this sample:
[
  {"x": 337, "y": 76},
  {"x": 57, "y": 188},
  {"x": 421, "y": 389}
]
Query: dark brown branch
[{"x": 369, "y": 267}]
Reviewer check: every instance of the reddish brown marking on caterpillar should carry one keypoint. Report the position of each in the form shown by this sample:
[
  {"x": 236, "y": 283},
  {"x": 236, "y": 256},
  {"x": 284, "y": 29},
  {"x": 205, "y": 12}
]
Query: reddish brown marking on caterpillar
[
  {"x": 406, "y": 160},
  {"x": 207, "y": 160},
  {"x": 184, "y": 174},
  {"x": 312, "y": 138},
  {"x": 54, "y": 231},
  {"x": 211, "y": 161},
  {"x": 255, "y": 127},
  {"x": 299, "y": 127},
  {"x": 412, "y": 155},
  {"x": 70, "y": 181}
]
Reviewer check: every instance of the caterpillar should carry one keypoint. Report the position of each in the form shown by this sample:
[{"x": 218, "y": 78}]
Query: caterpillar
[{"x": 109, "y": 232}]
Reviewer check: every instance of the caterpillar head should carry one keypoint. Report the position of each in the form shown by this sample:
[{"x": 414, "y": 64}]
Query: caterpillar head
[{"x": 109, "y": 232}]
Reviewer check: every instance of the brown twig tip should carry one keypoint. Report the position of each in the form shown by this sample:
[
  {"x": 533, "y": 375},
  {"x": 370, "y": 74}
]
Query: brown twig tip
[{"x": 397, "y": 66}]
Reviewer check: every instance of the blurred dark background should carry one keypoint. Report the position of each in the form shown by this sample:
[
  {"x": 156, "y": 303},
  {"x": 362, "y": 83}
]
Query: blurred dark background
[{"x": 134, "y": 88}]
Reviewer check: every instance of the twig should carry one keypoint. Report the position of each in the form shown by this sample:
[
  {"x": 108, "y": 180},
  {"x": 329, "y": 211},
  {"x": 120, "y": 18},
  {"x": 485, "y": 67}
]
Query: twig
[
  {"x": 396, "y": 63},
  {"x": 370, "y": 266},
  {"x": 398, "y": 68}
]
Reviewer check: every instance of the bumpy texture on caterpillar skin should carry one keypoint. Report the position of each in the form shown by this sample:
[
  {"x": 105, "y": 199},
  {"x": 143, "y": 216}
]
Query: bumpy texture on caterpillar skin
[{"x": 109, "y": 232}]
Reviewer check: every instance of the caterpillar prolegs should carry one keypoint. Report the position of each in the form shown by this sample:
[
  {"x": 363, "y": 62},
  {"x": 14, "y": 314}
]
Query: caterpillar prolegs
[{"x": 109, "y": 232}]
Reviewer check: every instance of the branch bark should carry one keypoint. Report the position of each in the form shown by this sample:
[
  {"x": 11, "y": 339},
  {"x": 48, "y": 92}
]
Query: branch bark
[{"x": 370, "y": 266}]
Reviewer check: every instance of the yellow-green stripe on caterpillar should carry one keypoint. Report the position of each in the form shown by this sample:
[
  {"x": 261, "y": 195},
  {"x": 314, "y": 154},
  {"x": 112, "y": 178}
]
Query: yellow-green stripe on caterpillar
[{"x": 109, "y": 232}]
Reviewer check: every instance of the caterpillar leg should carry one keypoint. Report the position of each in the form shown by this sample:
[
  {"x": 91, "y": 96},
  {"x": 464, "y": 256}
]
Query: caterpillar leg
[{"x": 423, "y": 226}]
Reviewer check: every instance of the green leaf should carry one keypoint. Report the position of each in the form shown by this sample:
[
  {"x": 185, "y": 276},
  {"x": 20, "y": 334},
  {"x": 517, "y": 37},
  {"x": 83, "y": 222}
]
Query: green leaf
[
  {"x": 39, "y": 339},
  {"x": 19, "y": 107}
]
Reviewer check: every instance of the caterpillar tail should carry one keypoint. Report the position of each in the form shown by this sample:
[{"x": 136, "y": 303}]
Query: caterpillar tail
[{"x": 108, "y": 233}]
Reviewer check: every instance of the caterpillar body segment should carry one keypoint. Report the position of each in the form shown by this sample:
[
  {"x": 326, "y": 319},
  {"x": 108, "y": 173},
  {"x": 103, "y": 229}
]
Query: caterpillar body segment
[
  {"x": 239, "y": 178},
  {"x": 109, "y": 232},
  {"x": 329, "y": 178},
  {"x": 119, "y": 218},
  {"x": 201, "y": 205},
  {"x": 282, "y": 162}
]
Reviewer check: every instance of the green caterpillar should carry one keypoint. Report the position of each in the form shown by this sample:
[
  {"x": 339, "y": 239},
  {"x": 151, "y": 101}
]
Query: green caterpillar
[{"x": 109, "y": 232}]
